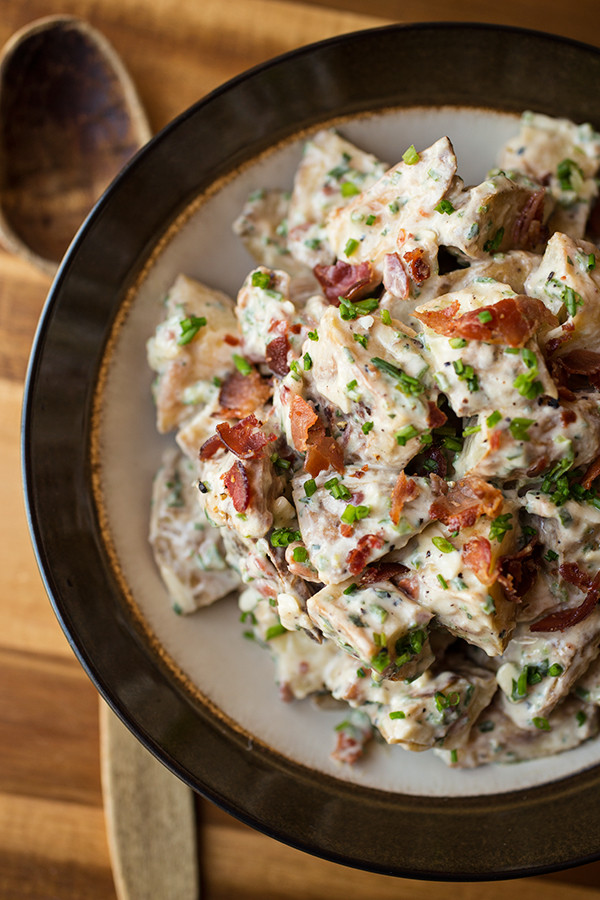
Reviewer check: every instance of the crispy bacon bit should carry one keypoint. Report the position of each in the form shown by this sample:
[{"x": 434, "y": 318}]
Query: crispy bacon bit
[
  {"x": 308, "y": 434},
  {"x": 513, "y": 321},
  {"x": 238, "y": 486},
  {"x": 528, "y": 230},
  {"x": 442, "y": 321},
  {"x": 591, "y": 473},
  {"x": 357, "y": 558},
  {"x": 470, "y": 498},
  {"x": 349, "y": 748},
  {"x": 346, "y": 530},
  {"x": 477, "y": 556},
  {"x": 395, "y": 279},
  {"x": 302, "y": 418},
  {"x": 285, "y": 692},
  {"x": 571, "y": 573},
  {"x": 409, "y": 583},
  {"x": 418, "y": 269},
  {"x": 565, "y": 618},
  {"x": 345, "y": 280},
  {"x": 436, "y": 417},
  {"x": 578, "y": 362},
  {"x": 539, "y": 466},
  {"x": 243, "y": 439},
  {"x": 383, "y": 572},
  {"x": 276, "y": 355},
  {"x": 232, "y": 340},
  {"x": 404, "y": 490},
  {"x": 517, "y": 572},
  {"x": 210, "y": 447},
  {"x": 567, "y": 417},
  {"x": 241, "y": 394}
]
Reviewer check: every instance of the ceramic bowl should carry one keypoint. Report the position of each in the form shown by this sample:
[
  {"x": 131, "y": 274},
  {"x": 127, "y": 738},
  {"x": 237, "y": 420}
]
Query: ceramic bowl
[{"x": 198, "y": 695}]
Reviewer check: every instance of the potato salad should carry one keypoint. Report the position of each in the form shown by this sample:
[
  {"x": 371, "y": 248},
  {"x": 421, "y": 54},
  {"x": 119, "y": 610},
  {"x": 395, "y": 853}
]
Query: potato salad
[{"x": 388, "y": 443}]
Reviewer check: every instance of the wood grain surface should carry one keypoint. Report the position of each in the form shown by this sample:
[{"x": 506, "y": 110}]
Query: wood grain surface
[{"x": 52, "y": 829}]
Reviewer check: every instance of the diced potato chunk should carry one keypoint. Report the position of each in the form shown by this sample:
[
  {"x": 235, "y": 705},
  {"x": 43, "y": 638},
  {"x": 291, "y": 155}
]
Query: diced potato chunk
[{"x": 378, "y": 624}]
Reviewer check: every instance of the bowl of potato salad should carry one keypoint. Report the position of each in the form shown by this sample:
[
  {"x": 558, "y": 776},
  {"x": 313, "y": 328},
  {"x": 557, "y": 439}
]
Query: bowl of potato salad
[{"x": 321, "y": 511}]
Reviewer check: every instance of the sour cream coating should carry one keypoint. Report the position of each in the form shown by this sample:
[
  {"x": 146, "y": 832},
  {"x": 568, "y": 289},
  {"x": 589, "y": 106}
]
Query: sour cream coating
[{"x": 391, "y": 440}]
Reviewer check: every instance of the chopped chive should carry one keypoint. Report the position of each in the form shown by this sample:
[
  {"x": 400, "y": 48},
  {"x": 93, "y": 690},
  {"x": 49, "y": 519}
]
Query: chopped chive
[
  {"x": 541, "y": 723},
  {"x": 493, "y": 419},
  {"x": 362, "y": 339},
  {"x": 310, "y": 487},
  {"x": 555, "y": 670},
  {"x": 242, "y": 365},
  {"x": 406, "y": 434},
  {"x": 351, "y": 588},
  {"x": 274, "y": 631},
  {"x": 307, "y": 361},
  {"x": 519, "y": 428},
  {"x": 484, "y": 316},
  {"x": 190, "y": 328},
  {"x": 300, "y": 554},
  {"x": 349, "y": 189},
  {"x": 551, "y": 556},
  {"x": 397, "y": 714},
  {"x": 283, "y": 537},
  {"x": 411, "y": 156},
  {"x": 353, "y": 514},
  {"x": 472, "y": 429},
  {"x": 366, "y": 427},
  {"x": 457, "y": 343},
  {"x": 580, "y": 718},
  {"x": 500, "y": 525},
  {"x": 386, "y": 317},
  {"x": 453, "y": 756},
  {"x": 261, "y": 279},
  {"x": 494, "y": 243},
  {"x": 370, "y": 220},
  {"x": 442, "y": 581},
  {"x": 443, "y": 545},
  {"x": 406, "y": 383},
  {"x": 350, "y": 310},
  {"x": 444, "y": 206},
  {"x": 351, "y": 246},
  {"x": 313, "y": 336}
]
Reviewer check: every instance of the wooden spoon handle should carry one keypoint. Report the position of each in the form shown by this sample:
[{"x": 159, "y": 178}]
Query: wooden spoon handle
[{"x": 150, "y": 819}]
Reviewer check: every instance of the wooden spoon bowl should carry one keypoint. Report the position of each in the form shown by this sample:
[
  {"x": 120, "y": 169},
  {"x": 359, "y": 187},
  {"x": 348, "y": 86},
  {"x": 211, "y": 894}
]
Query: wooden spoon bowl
[{"x": 70, "y": 118}]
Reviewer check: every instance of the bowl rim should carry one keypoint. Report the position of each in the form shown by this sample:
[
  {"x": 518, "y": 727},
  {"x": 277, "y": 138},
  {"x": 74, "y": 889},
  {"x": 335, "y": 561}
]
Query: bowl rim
[{"x": 313, "y": 799}]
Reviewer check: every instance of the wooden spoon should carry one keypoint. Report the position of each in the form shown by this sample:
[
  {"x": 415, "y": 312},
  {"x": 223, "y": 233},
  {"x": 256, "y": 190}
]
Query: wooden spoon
[
  {"x": 150, "y": 818},
  {"x": 70, "y": 118}
]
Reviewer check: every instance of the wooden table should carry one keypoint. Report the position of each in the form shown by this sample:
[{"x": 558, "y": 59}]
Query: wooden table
[{"x": 52, "y": 830}]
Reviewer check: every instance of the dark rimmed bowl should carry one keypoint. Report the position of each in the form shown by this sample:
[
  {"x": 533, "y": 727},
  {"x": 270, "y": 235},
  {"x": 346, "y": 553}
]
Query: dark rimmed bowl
[{"x": 513, "y": 833}]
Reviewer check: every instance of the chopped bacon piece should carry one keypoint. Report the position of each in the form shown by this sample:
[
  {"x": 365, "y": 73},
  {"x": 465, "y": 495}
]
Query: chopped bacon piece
[
  {"x": 346, "y": 530},
  {"x": 564, "y": 618},
  {"x": 308, "y": 434},
  {"x": 513, "y": 321},
  {"x": 350, "y": 746},
  {"x": 409, "y": 583},
  {"x": 517, "y": 572},
  {"x": 442, "y": 321},
  {"x": 241, "y": 394},
  {"x": 345, "y": 280},
  {"x": 382, "y": 572},
  {"x": 302, "y": 418},
  {"x": 210, "y": 447},
  {"x": 357, "y": 558},
  {"x": 404, "y": 490},
  {"x": 528, "y": 230},
  {"x": 470, "y": 498},
  {"x": 232, "y": 340},
  {"x": 395, "y": 279},
  {"x": 322, "y": 453},
  {"x": 238, "y": 486},
  {"x": 574, "y": 575},
  {"x": 276, "y": 355},
  {"x": 436, "y": 417},
  {"x": 243, "y": 439},
  {"x": 568, "y": 416},
  {"x": 565, "y": 333},
  {"x": 581, "y": 362},
  {"x": 591, "y": 473},
  {"x": 418, "y": 269},
  {"x": 477, "y": 556}
]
